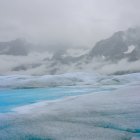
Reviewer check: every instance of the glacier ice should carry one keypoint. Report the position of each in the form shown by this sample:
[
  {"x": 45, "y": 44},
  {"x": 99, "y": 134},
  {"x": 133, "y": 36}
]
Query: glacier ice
[
  {"x": 111, "y": 115},
  {"x": 68, "y": 79},
  {"x": 105, "y": 116}
]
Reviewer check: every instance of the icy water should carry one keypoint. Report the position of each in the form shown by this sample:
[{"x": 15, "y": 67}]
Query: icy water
[{"x": 11, "y": 98}]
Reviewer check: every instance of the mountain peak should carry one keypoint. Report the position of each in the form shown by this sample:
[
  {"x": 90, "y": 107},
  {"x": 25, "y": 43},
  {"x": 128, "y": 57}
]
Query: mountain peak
[{"x": 114, "y": 48}]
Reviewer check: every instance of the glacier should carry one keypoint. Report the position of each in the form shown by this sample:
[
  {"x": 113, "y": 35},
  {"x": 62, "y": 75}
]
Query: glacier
[
  {"x": 68, "y": 79},
  {"x": 88, "y": 106}
]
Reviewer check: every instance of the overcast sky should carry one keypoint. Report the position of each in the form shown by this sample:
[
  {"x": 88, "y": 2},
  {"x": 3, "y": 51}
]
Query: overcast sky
[{"x": 72, "y": 22}]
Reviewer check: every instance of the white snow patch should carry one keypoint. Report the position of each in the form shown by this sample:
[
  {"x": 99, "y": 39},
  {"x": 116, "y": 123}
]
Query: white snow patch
[{"x": 130, "y": 49}]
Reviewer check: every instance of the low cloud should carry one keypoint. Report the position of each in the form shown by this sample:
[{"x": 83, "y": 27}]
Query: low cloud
[
  {"x": 42, "y": 64},
  {"x": 120, "y": 67},
  {"x": 70, "y": 22}
]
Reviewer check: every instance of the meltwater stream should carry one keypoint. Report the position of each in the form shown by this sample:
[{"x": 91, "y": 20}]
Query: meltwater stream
[{"x": 11, "y": 98}]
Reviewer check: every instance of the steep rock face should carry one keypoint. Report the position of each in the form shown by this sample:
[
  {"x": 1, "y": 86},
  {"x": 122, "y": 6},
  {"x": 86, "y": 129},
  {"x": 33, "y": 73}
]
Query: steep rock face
[
  {"x": 14, "y": 47},
  {"x": 122, "y": 44}
]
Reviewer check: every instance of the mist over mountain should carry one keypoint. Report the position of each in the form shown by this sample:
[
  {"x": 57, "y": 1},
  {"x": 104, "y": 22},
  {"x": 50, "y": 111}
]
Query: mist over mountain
[
  {"x": 119, "y": 53},
  {"x": 14, "y": 47},
  {"x": 121, "y": 45}
]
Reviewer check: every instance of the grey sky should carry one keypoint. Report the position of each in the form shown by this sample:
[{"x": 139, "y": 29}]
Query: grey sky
[{"x": 73, "y": 22}]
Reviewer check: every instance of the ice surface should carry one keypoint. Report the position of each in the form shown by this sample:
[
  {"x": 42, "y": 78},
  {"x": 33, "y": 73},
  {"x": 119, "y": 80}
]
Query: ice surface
[
  {"x": 100, "y": 116},
  {"x": 68, "y": 79},
  {"x": 110, "y": 115}
]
